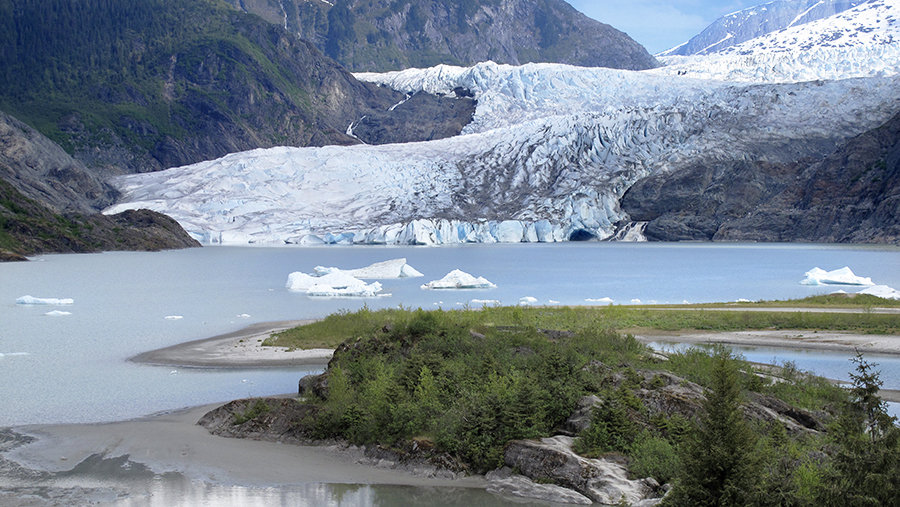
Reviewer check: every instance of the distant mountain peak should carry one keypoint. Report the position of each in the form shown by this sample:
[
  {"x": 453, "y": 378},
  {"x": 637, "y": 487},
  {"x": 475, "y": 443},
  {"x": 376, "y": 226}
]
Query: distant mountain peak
[{"x": 741, "y": 26}]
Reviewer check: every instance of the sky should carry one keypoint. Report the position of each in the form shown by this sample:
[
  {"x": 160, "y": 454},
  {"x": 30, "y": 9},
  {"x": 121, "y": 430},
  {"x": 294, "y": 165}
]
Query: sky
[{"x": 660, "y": 24}]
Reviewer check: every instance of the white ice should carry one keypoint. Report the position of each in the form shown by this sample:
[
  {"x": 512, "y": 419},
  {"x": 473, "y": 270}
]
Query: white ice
[
  {"x": 457, "y": 279},
  {"x": 395, "y": 268},
  {"x": 882, "y": 291},
  {"x": 843, "y": 276},
  {"x": 601, "y": 300},
  {"x": 335, "y": 283},
  {"x": 57, "y": 313},
  {"x": 29, "y": 300},
  {"x": 527, "y": 300}
]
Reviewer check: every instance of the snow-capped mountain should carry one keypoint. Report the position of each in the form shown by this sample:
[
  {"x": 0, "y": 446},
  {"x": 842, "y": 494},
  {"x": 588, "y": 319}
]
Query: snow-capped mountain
[
  {"x": 861, "y": 41},
  {"x": 550, "y": 152},
  {"x": 741, "y": 26}
]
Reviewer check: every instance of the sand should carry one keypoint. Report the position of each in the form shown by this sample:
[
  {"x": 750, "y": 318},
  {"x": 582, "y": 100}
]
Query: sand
[{"x": 172, "y": 445}]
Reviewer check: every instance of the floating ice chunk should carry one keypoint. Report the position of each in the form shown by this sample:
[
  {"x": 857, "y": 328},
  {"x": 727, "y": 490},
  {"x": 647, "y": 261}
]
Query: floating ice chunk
[
  {"x": 57, "y": 313},
  {"x": 882, "y": 291},
  {"x": 842, "y": 276},
  {"x": 334, "y": 284},
  {"x": 552, "y": 302},
  {"x": 742, "y": 300},
  {"x": 8, "y": 354},
  {"x": 601, "y": 300},
  {"x": 174, "y": 317},
  {"x": 29, "y": 300},
  {"x": 243, "y": 316},
  {"x": 457, "y": 279},
  {"x": 527, "y": 300},
  {"x": 486, "y": 301},
  {"x": 396, "y": 268},
  {"x": 635, "y": 301}
]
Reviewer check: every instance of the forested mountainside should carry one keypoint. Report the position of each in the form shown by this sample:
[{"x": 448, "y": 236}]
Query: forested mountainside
[
  {"x": 382, "y": 35},
  {"x": 140, "y": 86}
]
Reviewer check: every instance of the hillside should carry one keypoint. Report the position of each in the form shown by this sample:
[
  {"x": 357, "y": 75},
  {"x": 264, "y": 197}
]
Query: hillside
[
  {"x": 142, "y": 86},
  {"x": 383, "y": 35}
]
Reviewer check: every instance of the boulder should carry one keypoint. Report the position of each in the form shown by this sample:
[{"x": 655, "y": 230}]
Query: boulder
[{"x": 552, "y": 459}]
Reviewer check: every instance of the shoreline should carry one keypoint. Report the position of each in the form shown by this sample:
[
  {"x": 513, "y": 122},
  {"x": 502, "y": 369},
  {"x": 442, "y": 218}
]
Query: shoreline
[
  {"x": 171, "y": 445},
  {"x": 238, "y": 349}
]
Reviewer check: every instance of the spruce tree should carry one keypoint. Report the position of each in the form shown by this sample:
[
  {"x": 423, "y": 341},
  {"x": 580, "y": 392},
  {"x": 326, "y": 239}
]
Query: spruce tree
[{"x": 719, "y": 464}]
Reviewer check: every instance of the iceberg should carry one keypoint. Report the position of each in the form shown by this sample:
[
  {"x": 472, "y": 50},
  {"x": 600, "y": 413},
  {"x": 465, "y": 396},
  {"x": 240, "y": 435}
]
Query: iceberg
[
  {"x": 57, "y": 313},
  {"x": 396, "y": 268},
  {"x": 882, "y": 291},
  {"x": 601, "y": 300},
  {"x": 29, "y": 300},
  {"x": 843, "y": 276},
  {"x": 358, "y": 289},
  {"x": 335, "y": 283},
  {"x": 457, "y": 279},
  {"x": 527, "y": 300}
]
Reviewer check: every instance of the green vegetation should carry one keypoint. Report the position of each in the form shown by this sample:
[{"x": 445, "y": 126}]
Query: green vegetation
[
  {"x": 465, "y": 382},
  {"x": 333, "y": 330}
]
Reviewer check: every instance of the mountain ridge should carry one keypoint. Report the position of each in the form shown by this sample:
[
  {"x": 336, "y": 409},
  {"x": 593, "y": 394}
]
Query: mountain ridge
[{"x": 383, "y": 35}]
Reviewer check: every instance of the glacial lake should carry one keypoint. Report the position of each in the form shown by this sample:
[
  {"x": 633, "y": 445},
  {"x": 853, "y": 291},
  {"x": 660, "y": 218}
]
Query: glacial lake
[{"x": 73, "y": 368}]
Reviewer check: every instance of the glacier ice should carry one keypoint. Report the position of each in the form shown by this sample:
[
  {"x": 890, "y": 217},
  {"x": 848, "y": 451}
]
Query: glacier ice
[
  {"x": 882, "y": 291},
  {"x": 30, "y": 300},
  {"x": 552, "y": 148},
  {"x": 457, "y": 279},
  {"x": 843, "y": 276},
  {"x": 57, "y": 313},
  {"x": 395, "y": 268}
]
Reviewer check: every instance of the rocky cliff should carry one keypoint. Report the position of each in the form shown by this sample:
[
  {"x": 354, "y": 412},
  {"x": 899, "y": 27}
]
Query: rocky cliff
[
  {"x": 852, "y": 195},
  {"x": 382, "y": 35}
]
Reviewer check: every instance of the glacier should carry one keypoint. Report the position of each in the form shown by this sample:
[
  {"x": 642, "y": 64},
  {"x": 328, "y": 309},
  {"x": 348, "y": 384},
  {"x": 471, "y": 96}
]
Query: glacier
[{"x": 551, "y": 149}]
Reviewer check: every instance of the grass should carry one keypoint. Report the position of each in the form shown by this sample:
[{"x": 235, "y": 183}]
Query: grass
[{"x": 335, "y": 329}]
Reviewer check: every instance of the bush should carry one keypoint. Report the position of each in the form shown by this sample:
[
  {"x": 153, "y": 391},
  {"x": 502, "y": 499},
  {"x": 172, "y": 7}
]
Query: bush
[{"x": 654, "y": 456}]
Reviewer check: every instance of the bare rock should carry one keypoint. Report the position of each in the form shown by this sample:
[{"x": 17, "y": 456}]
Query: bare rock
[
  {"x": 552, "y": 459},
  {"x": 504, "y": 482}
]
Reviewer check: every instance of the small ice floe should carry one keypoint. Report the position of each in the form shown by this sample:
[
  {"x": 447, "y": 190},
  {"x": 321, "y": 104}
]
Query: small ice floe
[
  {"x": 8, "y": 354},
  {"x": 552, "y": 302},
  {"x": 601, "y": 300},
  {"x": 29, "y": 300},
  {"x": 843, "y": 276},
  {"x": 635, "y": 301},
  {"x": 457, "y": 279},
  {"x": 742, "y": 300},
  {"x": 396, "y": 268},
  {"x": 243, "y": 316},
  {"x": 882, "y": 291},
  {"x": 174, "y": 317},
  {"x": 57, "y": 313},
  {"x": 486, "y": 301},
  {"x": 527, "y": 300},
  {"x": 173, "y": 372}
]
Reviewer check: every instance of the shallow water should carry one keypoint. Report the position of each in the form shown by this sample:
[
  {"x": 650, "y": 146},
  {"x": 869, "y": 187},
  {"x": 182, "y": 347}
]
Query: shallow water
[{"x": 73, "y": 368}]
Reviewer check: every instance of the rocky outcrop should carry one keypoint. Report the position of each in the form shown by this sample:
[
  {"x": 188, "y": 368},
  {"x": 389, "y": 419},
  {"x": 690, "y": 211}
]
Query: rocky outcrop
[
  {"x": 382, "y": 35},
  {"x": 29, "y": 228},
  {"x": 850, "y": 196},
  {"x": 552, "y": 459},
  {"x": 421, "y": 117},
  {"x": 269, "y": 419}
]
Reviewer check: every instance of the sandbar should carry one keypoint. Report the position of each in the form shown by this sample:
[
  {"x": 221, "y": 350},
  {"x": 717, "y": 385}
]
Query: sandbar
[{"x": 239, "y": 349}]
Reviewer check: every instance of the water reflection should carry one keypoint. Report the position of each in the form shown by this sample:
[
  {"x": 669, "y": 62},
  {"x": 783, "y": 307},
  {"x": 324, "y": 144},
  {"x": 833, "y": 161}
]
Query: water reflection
[{"x": 169, "y": 491}]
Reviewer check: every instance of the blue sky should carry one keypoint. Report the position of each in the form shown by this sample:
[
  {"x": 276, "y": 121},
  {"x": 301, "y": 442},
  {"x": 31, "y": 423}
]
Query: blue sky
[{"x": 659, "y": 24}]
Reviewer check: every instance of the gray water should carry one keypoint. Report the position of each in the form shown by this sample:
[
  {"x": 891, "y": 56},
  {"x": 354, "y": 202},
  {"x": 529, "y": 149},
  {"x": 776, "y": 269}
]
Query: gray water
[{"x": 74, "y": 368}]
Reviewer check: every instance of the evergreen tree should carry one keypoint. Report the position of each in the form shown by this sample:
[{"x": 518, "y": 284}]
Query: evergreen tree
[
  {"x": 719, "y": 464},
  {"x": 866, "y": 469}
]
